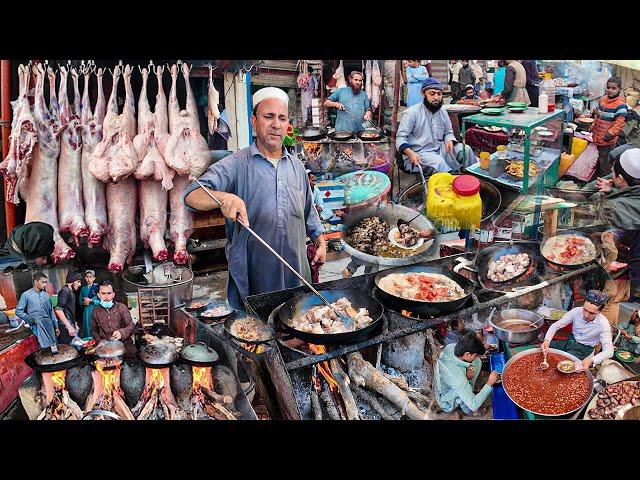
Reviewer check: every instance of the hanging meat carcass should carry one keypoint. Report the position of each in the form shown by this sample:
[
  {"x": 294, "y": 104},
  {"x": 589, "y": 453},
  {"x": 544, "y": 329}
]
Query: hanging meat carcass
[
  {"x": 70, "y": 204},
  {"x": 367, "y": 79},
  {"x": 187, "y": 151},
  {"x": 151, "y": 140},
  {"x": 93, "y": 190},
  {"x": 180, "y": 220},
  {"x": 149, "y": 144},
  {"x": 121, "y": 210},
  {"x": 339, "y": 76},
  {"x": 22, "y": 141},
  {"x": 376, "y": 85},
  {"x": 161, "y": 113},
  {"x": 115, "y": 157},
  {"x": 40, "y": 192},
  {"x": 213, "y": 114}
]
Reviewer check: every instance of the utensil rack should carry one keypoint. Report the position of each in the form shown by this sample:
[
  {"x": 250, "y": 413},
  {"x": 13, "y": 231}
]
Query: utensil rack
[{"x": 154, "y": 306}]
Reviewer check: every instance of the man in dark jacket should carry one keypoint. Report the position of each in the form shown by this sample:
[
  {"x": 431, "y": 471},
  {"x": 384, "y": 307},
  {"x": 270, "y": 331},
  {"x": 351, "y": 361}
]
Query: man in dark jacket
[
  {"x": 29, "y": 243},
  {"x": 533, "y": 79},
  {"x": 111, "y": 320},
  {"x": 466, "y": 75},
  {"x": 65, "y": 309}
]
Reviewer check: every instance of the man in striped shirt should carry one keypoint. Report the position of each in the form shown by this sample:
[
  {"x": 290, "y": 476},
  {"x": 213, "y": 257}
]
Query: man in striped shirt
[{"x": 609, "y": 121}]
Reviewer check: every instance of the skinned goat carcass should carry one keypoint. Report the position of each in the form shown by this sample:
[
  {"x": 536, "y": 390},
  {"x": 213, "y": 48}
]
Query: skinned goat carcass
[
  {"x": 150, "y": 141},
  {"x": 70, "y": 204},
  {"x": 121, "y": 209},
  {"x": 180, "y": 220},
  {"x": 114, "y": 158},
  {"x": 153, "y": 217},
  {"x": 40, "y": 191},
  {"x": 376, "y": 85},
  {"x": 367, "y": 79},
  {"x": 187, "y": 152},
  {"x": 22, "y": 141},
  {"x": 93, "y": 190},
  {"x": 213, "y": 113}
]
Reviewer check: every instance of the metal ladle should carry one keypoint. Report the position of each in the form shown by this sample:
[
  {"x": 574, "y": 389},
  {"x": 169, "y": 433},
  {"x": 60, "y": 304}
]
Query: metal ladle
[
  {"x": 544, "y": 365},
  {"x": 348, "y": 321}
]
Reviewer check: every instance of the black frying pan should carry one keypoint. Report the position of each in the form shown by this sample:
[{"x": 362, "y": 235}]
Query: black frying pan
[
  {"x": 30, "y": 360},
  {"x": 341, "y": 135},
  {"x": 594, "y": 237},
  {"x": 313, "y": 133},
  {"x": 154, "y": 365},
  {"x": 300, "y": 304},
  {"x": 490, "y": 254},
  {"x": 227, "y": 328},
  {"x": 374, "y": 133},
  {"x": 219, "y": 318},
  {"x": 429, "y": 308}
]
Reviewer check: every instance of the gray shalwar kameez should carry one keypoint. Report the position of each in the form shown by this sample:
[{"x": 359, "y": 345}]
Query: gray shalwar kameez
[
  {"x": 280, "y": 209},
  {"x": 35, "y": 308}
]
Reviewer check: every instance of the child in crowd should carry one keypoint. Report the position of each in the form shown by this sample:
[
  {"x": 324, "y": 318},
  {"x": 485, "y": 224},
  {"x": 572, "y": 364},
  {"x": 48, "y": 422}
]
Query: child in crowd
[{"x": 609, "y": 117}]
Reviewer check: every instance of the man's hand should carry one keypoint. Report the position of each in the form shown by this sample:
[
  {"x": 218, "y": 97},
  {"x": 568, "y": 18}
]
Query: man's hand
[
  {"x": 493, "y": 378},
  {"x": 72, "y": 331},
  {"x": 367, "y": 116},
  {"x": 321, "y": 253},
  {"x": 57, "y": 330},
  {"x": 613, "y": 266},
  {"x": 448, "y": 146},
  {"x": 339, "y": 106},
  {"x": 625, "y": 335},
  {"x": 414, "y": 158},
  {"x": 586, "y": 363},
  {"x": 233, "y": 207},
  {"x": 86, "y": 301},
  {"x": 116, "y": 335},
  {"x": 604, "y": 185},
  {"x": 607, "y": 137},
  {"x": 545, "y": 346}
]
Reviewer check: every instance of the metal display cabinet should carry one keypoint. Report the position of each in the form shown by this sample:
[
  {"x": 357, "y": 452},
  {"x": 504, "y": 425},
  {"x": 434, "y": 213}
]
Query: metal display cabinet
[{"x": 533, "y": 137}]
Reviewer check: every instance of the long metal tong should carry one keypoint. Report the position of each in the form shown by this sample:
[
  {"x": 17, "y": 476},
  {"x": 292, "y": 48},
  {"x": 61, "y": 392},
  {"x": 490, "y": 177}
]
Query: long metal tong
[{"x": 348, "y": 321}]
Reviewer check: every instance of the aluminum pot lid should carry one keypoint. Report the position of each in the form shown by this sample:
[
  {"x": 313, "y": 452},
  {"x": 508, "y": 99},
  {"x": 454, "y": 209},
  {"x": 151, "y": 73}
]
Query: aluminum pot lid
[
  {"x": 199, "y": 352},
  {"x": 159, "y": 353},
  {"x": 109, "y": 349},
  {"x": 65, "y": 353}
]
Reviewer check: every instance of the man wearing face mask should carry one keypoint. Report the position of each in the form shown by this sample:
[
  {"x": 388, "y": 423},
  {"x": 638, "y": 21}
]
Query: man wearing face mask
[
  {"x": 111, "y": 320},
  {"x": 425, "y": 136}
]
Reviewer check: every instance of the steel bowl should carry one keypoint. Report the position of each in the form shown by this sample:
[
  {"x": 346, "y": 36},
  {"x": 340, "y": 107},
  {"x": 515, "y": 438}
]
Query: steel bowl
[
  {"x": 533, "y": 351},
  {"x": 511, "y": 316}
]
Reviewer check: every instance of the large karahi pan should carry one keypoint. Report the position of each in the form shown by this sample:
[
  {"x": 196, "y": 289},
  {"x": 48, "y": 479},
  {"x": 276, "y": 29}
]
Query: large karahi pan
[
  {"x": 493, "y": 253},
  {"x": 298, "y": 305},
  {"x": 594, "y": 237},
  {"x": 68, "y": 358},
  {"x": 427, "y": 308},
  {"x": 390, "y": 213}
]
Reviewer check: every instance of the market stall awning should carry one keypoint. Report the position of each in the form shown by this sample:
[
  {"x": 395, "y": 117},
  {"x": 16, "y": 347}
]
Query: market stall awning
[{"x": 633, "y": 64}]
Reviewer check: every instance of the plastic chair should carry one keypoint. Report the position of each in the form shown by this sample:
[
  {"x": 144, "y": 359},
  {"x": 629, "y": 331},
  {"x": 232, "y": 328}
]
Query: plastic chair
[{"x": 399, "y": 165}]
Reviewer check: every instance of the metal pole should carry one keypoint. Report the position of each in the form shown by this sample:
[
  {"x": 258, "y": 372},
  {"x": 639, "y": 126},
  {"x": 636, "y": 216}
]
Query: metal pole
[
  {"x": 5, "y": 81},
  {"x": 394, "y": 120}
]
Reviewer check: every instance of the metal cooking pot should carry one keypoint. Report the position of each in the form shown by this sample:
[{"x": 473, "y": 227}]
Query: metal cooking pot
[
  {"x": 199, "y": 354},
  {"x": 158, "y": 355},
  {"x": 313, "y": 133},
  {"x": 533, "y": 351},
  {"x": 341, "y": 135},
  {"x": 109, "y": 349},
  {"x": 179, "y": 283},
  {"x": 511, "y": 316},
  {"x": 45, "y": 356}
]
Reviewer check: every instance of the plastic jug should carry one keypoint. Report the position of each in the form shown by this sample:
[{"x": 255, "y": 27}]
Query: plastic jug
[
  {"x": 549, "y": 88},
  {"x": 453, "y": 201}
]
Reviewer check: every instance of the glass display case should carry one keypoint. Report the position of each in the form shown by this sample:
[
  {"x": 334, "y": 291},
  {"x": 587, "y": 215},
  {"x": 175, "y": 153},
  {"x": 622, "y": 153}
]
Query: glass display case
[{"x": 532, "y": 156}]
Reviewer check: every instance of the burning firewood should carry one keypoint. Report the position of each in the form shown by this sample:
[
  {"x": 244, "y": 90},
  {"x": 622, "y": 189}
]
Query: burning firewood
[
  {"x": 369, "y": 398},
  {"x": 55, "y": 397},
  {"x": 330, "y": 405},
  {"x": 205, "y": 401},
  {"x": 399, "y": 381},
  {"x": 106, "y": 393},
  {"x": 365, "y": 374},
  {"x": 157, "y": 401}
]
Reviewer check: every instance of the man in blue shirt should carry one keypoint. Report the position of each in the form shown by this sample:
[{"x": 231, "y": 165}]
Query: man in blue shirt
[
  {"x": 425, "y": 136},
  {"x": 34, "y": 307},
  {"x": 267, "y": 188},
  {"x": 354, "y": 100}
]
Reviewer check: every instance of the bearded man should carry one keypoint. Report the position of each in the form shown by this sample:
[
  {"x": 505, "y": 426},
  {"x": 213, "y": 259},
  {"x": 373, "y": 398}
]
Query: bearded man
[
  {"x": 354, "y": 100},
  {"x": 425, "y": 136}
]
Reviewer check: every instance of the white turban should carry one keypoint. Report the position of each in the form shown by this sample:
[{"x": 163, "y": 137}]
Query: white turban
[
  {"x": 630, "y": 162},
  {"x": 270, "y": 92}
]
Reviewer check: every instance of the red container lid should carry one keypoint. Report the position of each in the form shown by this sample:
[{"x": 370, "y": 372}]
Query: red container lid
[{"x": 466, "y": 185}]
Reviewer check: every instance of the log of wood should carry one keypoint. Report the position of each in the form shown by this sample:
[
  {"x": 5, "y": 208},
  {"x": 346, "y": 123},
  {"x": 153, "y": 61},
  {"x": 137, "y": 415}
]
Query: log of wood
[
  {"x": 365, "y": 374},
  {"x": 418, "y": 397},
  {"x": 399, "y": 381},
  {"x": 74, "y": 410},
  {"x": 329, "y": 404},
  {"x": 351, "y": 407},
  {"x": 224, "y": 399},
  {"x": 316, "y": 408},
  {"x": 121, "y": 408},
  {"x": 149, "y": 407},
  {"x": 431, "y": 355},
  {"x": 369, "y": 398}
]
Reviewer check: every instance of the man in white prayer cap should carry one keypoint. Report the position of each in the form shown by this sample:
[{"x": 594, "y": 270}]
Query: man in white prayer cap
[
  {"x": 267, "y": 188},
  {"x": 621, "y": 208}
]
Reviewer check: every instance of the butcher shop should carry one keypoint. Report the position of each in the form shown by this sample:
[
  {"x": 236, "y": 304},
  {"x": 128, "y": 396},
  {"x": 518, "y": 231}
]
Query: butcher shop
[{"x": 319, "y": 240}]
